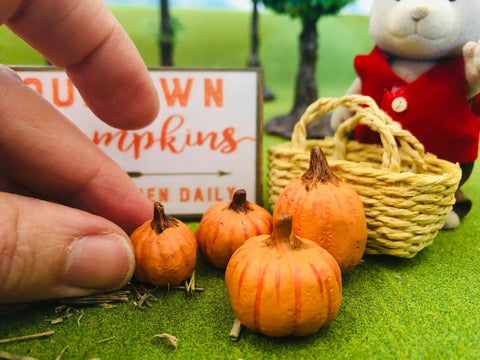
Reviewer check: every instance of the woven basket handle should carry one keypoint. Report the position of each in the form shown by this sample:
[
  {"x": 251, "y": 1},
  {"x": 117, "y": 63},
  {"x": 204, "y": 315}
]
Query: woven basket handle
[{"x": 367, "y": 113}]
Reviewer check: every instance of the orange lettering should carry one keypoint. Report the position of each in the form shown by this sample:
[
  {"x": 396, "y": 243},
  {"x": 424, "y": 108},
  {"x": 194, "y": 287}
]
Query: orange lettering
[
  {"x": 161, "y": 192},
  {"x": 150, "y": 193},
  {"x": 168, "y": 140},
  {"x": 173, "y": 137},
  {"x": 163, "y": 195},
  {"x": 217, "y": 195},
  {"x": 107, "y": 138},
  {"x": 137, "y": 141},
  {"x": 122, "y": 143},
  {"x": 226, "y": 146},
  {"x": 198, "y": 195},
  {"x": 56, "y": 95},
  {"x": 37, "y": 84},
  {"x": 202, "y": 139},
  {"x": 177, "y": 93},
  {"x": 213, "y": 92},
  {"x": 184, "y": 194}
]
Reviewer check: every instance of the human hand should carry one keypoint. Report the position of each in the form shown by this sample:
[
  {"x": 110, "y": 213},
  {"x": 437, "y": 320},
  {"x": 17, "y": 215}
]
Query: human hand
[
  {"x": 65, "y": 207},
  {"x": 471, "y": 55}
]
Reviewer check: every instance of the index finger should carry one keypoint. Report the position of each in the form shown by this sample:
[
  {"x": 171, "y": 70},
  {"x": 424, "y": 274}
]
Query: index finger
[{"x": 84, "y": 38}]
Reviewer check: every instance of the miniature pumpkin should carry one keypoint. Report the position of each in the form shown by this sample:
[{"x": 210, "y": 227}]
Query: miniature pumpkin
[
  {"x": 281, "y": 284},
  {"x": 327, "y": 210},
  {"x": 226, "y": 226},
  {"x": 165, "y": 249}
]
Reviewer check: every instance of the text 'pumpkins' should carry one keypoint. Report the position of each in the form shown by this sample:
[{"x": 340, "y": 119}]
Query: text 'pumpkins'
[
  {"x": 226, "y": 226},
  {"x": 326, "y": 210},
  {"x": 165, "y": 249},
  {"x": 281, "y": 284}
]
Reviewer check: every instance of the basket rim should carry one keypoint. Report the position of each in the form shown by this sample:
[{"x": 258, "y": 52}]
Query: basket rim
[{"x": 451, "y": 170}]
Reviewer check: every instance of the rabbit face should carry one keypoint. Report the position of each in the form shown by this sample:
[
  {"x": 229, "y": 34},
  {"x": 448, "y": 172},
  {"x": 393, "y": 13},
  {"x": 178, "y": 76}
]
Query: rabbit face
[{"x": 424, "y": 29}]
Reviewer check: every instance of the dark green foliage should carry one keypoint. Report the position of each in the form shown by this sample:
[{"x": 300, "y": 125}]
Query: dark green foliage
[{"x": 306, "y": 9}]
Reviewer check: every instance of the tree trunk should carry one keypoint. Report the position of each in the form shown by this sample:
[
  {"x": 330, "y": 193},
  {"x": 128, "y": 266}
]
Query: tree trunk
[
  {"x": 253, "y": 61},
  {"x": 306, "y": 87},
  {"x": 166, "y": 35}
]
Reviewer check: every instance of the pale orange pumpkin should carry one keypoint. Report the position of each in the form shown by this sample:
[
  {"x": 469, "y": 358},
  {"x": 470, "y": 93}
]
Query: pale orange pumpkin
[
  {"x": 226, "y": 226},
  {"x": 281, "y": 284},
  {"x": 165, "y": 249},
  {"x": 327, "y": 210}
]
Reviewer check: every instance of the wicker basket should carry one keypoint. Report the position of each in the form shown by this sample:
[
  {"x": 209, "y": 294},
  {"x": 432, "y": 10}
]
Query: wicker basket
[{"x": 406, "y": 193}]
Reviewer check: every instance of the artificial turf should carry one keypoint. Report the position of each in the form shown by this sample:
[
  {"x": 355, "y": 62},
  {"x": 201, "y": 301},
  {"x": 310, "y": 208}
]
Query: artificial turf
[{"x": 420, "y": 308}]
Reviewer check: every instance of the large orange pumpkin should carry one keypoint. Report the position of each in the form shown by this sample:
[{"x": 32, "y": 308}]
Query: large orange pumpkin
[
  {"x": 226, "y": 226},
  {"x": 165, "y": 249},
  {"x": 327, "y": 210},
  {"x": 281, "y": 284}
]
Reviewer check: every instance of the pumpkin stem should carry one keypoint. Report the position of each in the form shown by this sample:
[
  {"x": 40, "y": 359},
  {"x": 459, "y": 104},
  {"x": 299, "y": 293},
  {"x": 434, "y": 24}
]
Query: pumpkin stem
[
  {"x": 239, "y": 202},
  {"x": 282, "y": 233},
  {"x": 319, "y": 171},
  {"x": 161, "y": 221}
]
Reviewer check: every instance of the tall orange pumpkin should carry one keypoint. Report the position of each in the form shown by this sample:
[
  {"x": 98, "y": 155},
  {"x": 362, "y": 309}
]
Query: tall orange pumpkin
[
  {"x": 226, "y": 226},
  {"x": 281, "y": 284},
  {"x": 327, "y": 210},
  {"x": 165, "y": 249}
]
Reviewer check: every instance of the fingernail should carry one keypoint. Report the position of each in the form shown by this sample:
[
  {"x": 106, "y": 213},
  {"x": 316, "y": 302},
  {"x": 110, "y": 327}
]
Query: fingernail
[{"x": 100, "y": 262}]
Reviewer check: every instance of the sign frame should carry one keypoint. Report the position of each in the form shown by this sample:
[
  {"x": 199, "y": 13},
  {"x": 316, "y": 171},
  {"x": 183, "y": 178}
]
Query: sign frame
[{"x": 258, "y": 121}]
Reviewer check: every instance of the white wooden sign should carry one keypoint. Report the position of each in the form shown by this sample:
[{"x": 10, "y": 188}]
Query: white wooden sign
[{"x": 204, "y": 144}]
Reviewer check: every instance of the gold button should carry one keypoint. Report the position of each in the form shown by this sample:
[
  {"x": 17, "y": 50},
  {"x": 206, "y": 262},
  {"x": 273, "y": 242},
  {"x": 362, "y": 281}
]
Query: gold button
[{"x": 399, "y": 104}]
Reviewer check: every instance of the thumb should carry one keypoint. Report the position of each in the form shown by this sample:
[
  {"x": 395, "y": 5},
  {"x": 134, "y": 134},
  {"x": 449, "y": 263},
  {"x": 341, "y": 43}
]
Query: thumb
[
  {"x": 469, "y": 50},
  {"x": 50, "y": 251}
]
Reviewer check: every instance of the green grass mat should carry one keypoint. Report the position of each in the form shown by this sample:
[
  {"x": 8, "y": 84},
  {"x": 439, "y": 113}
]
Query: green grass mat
[{"x": 420, "y": 308}]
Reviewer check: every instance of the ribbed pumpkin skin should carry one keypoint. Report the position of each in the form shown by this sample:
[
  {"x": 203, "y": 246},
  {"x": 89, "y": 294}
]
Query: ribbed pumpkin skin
[
  {"x": 222, "y": 230},
  {"x": 165, "y": 258},
  {"x": 328, "y": 211},
  {"x": 279, "y": 291},
  {"x": 331, "y": 215}
]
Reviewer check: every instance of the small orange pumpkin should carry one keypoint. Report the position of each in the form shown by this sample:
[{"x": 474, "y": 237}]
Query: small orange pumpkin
[
  {"x": 226, "y": 226},
  {"x": 165, "y": 249},
  {"x": 327, "y": 210},
  {"x": 281, "y": 284}
]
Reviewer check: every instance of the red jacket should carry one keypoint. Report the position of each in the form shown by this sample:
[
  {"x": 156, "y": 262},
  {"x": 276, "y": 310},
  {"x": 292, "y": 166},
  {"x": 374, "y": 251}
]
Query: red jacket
[{"x": 434, "y": 107}]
